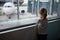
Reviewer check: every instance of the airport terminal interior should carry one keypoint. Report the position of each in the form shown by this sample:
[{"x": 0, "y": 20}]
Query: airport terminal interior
[{"x": 18, "y": 19}]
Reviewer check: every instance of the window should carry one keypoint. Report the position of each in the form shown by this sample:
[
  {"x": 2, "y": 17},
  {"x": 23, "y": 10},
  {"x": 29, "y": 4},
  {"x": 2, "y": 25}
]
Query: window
[
  {"x": 26, "y": 9},
  {"x": 22, "y": 9},
  {"x": 50, "y": 5},
  {"x": 16, "y": 12},
  {"x": 45, "y": 4},
  {"x": 44, "y": 0},
  {"x": 16, "y": 9},
  {"x": 7, "y": 11},
  {"x": 55, "y": 6}
]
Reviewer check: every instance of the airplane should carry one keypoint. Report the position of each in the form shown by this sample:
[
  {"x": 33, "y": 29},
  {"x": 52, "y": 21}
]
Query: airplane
[{"x": 8, "y": 9}]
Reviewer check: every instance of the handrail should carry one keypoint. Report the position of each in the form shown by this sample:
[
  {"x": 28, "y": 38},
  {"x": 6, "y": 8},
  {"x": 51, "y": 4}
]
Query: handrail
[{"x": 17, "y": 29}]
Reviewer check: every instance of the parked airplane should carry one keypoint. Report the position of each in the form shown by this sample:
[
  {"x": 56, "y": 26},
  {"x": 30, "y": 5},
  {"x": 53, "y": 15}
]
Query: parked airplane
[{"x": 8, "y": 9}]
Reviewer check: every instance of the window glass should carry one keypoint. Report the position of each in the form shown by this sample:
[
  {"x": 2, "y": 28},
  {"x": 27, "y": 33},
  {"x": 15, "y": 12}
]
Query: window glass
[
  {"x": 17, "y": 9},
  {"x": 44, "y": 0},
  {"x": 22, "y": 9},
  {"x": 50, "y": 5},
  {"x": 45, "y": 4},
  {"x": 56, "y": 0},
  {"x": 26, "y": 10},
  {"x": 55, "y": 5},
  {"x": 7, "y": 10}
]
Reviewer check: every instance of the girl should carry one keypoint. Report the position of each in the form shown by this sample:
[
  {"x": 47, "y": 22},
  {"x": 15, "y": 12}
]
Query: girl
[{"x": 42, "y": 25}]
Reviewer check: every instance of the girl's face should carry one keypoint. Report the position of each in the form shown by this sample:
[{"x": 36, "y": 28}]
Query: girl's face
[{"x": 41, "y": 17}]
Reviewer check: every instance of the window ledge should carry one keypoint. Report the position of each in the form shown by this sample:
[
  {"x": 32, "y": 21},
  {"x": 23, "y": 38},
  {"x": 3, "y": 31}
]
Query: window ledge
[
  {"x": 16, "y": 23},
  {"x": 50, "y": 17}
]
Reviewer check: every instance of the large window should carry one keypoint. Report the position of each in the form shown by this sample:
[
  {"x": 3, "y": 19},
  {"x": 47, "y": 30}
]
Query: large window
[
  {"x": 55, "y": 6},
  {"x": 50, "y": 5},
  {"x": 15, "y": 10},
  {"x": 7, "y": 11},
  {"x": 23, "y": 12},
  {"x": 45, "y": 4},
  {"x": 22, "y": 9}
]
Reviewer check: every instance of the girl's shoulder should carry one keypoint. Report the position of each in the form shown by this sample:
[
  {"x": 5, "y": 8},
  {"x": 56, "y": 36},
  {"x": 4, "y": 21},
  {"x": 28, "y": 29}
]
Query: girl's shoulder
[
  {"x": 46, "y": 20},
  {"x": 39, "y": 21}
]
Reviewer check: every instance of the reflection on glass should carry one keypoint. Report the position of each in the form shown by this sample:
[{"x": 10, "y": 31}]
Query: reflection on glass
[
  {"x": 44, "y": 0},
  {"x": 50, "y": 5},
  {"x": 38, "y": 4},
  {"x": 55, "y": 5},
  {"x": 45, "y": 4}
]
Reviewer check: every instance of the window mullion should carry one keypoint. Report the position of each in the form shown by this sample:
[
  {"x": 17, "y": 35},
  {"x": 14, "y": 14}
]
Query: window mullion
[
  {"x": 32, "y": 6},
  {"x": 38, "y": 7},
  {"x": 18, "y": 9},
  {"x": 51, "y": 6}
]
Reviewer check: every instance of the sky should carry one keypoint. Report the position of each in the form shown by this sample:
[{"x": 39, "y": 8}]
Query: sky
[
  {"x": 25, "y": 1},
  {"x": 44, "y": 0},
  {"x": 48, "y": 0}
]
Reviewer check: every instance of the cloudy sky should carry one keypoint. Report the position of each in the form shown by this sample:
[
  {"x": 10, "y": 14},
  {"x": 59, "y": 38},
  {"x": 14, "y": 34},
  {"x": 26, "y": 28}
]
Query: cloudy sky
[
  {"x": 25, "y": 1},
  {"x": 44, "y": 0}
]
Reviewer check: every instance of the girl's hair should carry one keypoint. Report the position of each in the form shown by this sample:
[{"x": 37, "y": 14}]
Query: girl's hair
[{"x": 43, "y": 12}]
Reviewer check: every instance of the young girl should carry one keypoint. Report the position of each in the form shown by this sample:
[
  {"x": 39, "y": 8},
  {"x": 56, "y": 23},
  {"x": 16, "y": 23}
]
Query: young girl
[{"x": 42, "y": 25}]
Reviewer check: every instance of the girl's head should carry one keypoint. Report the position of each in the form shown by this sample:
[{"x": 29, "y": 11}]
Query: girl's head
[{"x": 43, "y": 13}]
